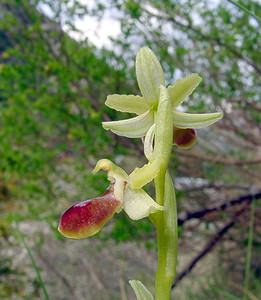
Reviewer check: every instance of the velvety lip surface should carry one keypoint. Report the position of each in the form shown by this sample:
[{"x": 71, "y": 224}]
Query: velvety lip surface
[
  {"x": 86, "y": 218},
  {"x": 184, "y": 137}
]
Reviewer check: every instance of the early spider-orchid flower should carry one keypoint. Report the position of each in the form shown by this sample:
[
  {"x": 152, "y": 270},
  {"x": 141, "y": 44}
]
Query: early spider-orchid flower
[
  {"x": 86, "y": 218},
  {"x": 152, "y": 110},
  {"x": 150, "y": 77}
]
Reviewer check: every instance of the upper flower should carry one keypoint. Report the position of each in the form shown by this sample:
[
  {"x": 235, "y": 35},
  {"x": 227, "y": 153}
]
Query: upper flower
[
  {"x": 150, "y": 77},
  {"x": 157, "y": 112}
]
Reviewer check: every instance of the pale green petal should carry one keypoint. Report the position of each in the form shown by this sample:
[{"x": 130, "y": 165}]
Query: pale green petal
[
  {"x": 127, "y": 103},
  {"x": 132, "y": 128},
  {"x": 149, "y": 75},
  {"x": 182, "y": 88},
  {"x": 148, "y": 142},
  {"x": 185, "y": 120},
  {"x": 116, "y": 175},
  {"x": 138, "y": 204},
  {"x": 141, "y": 176},
  {"x": 141, "y": 292}
]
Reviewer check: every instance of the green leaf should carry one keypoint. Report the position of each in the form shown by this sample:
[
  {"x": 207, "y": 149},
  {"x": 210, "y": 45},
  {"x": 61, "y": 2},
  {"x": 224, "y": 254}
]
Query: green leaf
[{"x": 141, "y": 292}]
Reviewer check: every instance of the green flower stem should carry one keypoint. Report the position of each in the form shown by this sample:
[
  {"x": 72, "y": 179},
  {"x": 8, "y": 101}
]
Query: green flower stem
[
  {"x": 167, "y": 236},
  {"x": 159, "y": 187},
  {"x": 162, "y": 286},
  {"x": 166, "y": 221},
  {"x": 171, "y": 228}
]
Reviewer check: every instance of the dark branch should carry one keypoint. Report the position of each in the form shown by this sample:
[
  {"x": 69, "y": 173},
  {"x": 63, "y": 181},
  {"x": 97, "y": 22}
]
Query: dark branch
[
  {"x": 216, "y": 186},
  {"x": 209, "y": 246},
  {"x": 189, "y": 28},
  {"x": 221, "y": 160},
  {"x": 202, "y": 212}
]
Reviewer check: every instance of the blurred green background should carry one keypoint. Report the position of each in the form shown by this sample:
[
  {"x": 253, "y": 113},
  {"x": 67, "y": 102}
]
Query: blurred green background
[{"x": 59, "y": 59}]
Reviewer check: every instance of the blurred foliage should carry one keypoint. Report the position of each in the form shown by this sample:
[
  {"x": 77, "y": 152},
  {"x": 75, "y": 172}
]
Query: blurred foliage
[{"x": 53, "y": 89}]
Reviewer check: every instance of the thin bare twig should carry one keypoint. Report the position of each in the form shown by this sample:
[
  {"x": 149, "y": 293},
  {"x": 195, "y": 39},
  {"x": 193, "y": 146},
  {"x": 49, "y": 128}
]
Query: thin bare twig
[
  {"x": 209, "y": 246},
  {"x": 195, "y": 30},
  {"x": 221, "y": 160},
  {"x": 184, "y": 217},
  {"x": 215, "y": 186}
]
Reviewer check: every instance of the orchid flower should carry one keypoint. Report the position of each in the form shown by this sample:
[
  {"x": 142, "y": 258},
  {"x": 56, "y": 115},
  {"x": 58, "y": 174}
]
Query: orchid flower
[
  {"x": 151, "y": 81},
  {"x": 86, "y": 218},
  {"x": 150, "y": 77}
]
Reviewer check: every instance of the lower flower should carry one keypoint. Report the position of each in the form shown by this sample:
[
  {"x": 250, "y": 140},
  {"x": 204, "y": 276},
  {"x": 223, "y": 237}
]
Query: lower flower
[{"x": 86, "y": 218}]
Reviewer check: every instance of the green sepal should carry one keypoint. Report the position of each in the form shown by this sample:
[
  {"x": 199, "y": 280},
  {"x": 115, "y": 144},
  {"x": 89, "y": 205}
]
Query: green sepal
[
  {"x": 196, "y": 121},
  {"x": 127, "y": 103},
  {"x": 182, "y": 88},
  {"x": 133, "y": 128},
  {"x": 149, "y": 75}
]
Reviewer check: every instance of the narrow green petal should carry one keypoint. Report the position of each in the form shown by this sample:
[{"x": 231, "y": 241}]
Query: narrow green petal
[
  {"x": 141, "y": 292},
  {"x": 148, "y": 142},
  {"x": 182, "y": 88},
  {"x": 132, "y": 128},
  {"x": 138, "y": 204},
  {"x": 141, "y": 176},
  {"x": 149, "y": 75},
  {"x": 127, "y": 103},
  {"x": 185, "y": 120}
]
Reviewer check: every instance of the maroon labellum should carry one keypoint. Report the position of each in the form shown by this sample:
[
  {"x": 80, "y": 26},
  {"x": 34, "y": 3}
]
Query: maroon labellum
[
  {"x": 184, "y": 138},
  {"x": 86, "y": 218}
]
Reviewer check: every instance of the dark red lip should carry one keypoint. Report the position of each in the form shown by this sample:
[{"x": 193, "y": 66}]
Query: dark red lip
[{"x": 86, "y": 218}]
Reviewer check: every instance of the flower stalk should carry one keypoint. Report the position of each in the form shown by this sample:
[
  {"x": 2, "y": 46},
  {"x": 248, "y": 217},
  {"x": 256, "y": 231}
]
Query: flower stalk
[{"x": 166, "y": 220}]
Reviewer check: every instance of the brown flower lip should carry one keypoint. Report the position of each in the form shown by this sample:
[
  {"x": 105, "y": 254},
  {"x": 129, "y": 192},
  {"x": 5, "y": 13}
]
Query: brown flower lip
[
  {"x": 184, "y": 138},
  {"x": 86, "y": 218}
]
